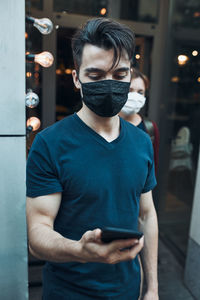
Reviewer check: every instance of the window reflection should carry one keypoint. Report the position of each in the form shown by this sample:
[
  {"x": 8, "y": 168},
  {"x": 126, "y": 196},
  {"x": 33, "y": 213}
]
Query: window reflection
[
  {"x": 84, "y": 7},
  {"x": 186, "y": 13},
  {"x": 38, "y": 4},
  {"x": 182, "y": 119},
  {"x": 138, "y": 10},
  {"x": 143, "y": 11}
]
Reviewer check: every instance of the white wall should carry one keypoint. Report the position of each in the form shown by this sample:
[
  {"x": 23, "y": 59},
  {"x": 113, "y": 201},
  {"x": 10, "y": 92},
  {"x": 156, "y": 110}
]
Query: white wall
[{"x": 13, "y": 241}]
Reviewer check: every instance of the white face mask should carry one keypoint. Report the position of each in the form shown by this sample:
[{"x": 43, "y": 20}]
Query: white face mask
[{"x": 134, "y": 103}]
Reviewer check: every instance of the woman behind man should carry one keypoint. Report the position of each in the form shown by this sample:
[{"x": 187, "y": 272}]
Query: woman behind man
[{"x": 136, "y": 100}]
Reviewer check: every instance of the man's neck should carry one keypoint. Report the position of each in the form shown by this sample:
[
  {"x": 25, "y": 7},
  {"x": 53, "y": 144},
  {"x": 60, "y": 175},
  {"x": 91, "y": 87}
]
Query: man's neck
[{"x": 108, "y": 128}]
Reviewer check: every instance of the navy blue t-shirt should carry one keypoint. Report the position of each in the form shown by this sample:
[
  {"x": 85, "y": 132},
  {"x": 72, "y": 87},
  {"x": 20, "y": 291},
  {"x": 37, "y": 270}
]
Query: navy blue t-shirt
[{"x": 101, "y": 183}]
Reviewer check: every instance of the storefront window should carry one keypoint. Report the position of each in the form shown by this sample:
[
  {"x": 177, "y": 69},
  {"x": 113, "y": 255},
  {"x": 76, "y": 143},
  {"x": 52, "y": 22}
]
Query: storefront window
[
  {"x": 37, "y": 4},
  {"x": 68, "y": 98},
  {"x": 142, "y": 11},
  {"x": 84, "y": 7},
  {"x": 186, "y": 14},
  {"x": 181, "y": 135},
  {"x": 139, "y": 10}
]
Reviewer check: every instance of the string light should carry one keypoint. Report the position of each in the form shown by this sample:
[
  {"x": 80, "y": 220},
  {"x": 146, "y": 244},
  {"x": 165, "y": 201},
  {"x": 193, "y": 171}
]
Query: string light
[
  {"x": 28, "y": 74},
  {"x": 196, "y": 14},
  {"x": 175, "y": 79},
  {"x": 182, "y": 59},
  {"x": 33, "y": 124},
  {"x": 195, "y": 53},
  {"x": 103, "y": 11},
  {"x": 31, "y": 99},
  {"x": 45, "y": 26},
  {"x": 68, "y": 71},
  {"x": 45, "y": 58},
  {"x": 58, "y": 72}
]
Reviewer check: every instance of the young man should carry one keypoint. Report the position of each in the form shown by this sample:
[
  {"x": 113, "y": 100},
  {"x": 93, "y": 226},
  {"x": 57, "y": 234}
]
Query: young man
[{"x": 93, "y": 170}]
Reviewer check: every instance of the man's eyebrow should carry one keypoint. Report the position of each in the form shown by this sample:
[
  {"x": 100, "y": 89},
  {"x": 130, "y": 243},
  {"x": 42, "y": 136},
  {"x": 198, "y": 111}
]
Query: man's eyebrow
[
  {"x": 123, "y": 69},
  {"x": 88, "y": 70}
]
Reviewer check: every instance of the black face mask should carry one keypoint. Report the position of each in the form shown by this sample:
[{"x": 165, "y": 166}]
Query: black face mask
[{"x": 106, "y": 97}]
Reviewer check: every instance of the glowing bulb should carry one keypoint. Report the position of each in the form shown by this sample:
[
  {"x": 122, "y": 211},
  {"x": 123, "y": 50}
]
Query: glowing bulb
[
  {"x": 45, "y": 58},
  {"x": 103, "y": 11},
  {"x": 45, "y": 26},
  {"x": 31, "y": 99},
  {"x": 175, "y": 79},
  {"x": 28, "y": 74},
  {"x": 198, "y": 79},
  {"x": 195, "y": 53},
  {"x": 196, "y": 14},
  {"x": 182, "y": 59},
  {"x": 68, "y": 71},
  {"x": 34, "y": 123},
  {"x": 58, "y": 72},
  {"x": 137, "y": 56}
]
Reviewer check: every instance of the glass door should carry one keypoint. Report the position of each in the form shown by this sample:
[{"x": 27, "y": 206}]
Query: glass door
[{"x": 180, "y": 135}]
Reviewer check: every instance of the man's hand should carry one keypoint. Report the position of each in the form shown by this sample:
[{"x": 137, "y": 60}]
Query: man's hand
[
  {"x": 151, "y": 295},
  {"x": 92, "y": 249}
]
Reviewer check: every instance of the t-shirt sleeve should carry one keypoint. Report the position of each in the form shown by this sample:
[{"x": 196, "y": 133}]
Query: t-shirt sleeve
[
  {"x": 41, "y": 175},
  {"x": 150, "y": 182}
]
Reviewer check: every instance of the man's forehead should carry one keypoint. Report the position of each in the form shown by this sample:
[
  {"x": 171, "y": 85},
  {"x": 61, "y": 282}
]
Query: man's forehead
[{"x": 94, "y": 56}]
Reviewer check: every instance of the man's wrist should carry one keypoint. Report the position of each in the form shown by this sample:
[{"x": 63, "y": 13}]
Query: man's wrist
[
  {"x": 153, "y": 289},
  {"x": 72, "y": 250}
]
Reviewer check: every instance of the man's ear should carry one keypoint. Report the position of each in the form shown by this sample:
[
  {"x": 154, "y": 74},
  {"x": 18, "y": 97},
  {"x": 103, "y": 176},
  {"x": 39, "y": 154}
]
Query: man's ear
[{"x": 75, "y": 79}]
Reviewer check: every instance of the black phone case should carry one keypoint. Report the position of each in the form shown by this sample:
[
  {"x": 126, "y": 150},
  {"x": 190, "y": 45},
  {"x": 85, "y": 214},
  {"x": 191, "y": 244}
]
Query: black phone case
[{"x": 110, "y": 234}]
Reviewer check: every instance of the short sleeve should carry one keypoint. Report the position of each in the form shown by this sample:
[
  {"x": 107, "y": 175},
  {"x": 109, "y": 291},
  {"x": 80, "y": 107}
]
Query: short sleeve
[
  {"x": 150, "y": 182},
  {"x": 41, "y": 175}
]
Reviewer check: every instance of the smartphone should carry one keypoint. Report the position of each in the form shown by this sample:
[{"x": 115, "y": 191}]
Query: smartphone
[{"x": 110, "y": 234}]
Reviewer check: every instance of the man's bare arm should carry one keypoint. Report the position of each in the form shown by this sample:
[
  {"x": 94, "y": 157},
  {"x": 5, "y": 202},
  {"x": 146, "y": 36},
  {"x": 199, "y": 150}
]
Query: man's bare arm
[
  {"x": 44, "y": 242},
  {"x": 47, "y": 244},
  {"x": 149, "y": 226}
]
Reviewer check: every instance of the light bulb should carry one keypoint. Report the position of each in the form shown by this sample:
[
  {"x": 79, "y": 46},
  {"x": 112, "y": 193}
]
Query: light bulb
[
  {"x": 103, "y": 11},
  {"x": 182, "y": 59},
  {"x": 45, "y": 58},
  {"x": 34, "y": 123},
  {"x": 32, "y": 99},
  {"x": 45, "y": 26}
]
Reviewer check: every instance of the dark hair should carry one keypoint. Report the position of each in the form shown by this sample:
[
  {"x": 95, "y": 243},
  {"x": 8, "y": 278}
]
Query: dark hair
[
  {"x": 106, "y": 34},
  {"x": 137, "y": 74}
]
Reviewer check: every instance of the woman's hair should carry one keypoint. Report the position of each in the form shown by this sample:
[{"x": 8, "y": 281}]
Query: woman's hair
[
  {"x": 106, "y": 34},
  {"x": 137, "y": 74}
]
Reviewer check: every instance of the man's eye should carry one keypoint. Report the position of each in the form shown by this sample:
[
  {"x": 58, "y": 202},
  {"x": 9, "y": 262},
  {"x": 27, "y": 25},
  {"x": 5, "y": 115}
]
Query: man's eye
[
  {"x": 120, "y": 75},
  {"x": 95, "y": 76}
]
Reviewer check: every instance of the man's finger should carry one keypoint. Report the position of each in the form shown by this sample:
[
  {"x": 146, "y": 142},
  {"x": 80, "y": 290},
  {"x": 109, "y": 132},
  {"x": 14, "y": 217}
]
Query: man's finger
[
  {"x": 128, "y": 254},
  {"x": 121, "y": 244}
]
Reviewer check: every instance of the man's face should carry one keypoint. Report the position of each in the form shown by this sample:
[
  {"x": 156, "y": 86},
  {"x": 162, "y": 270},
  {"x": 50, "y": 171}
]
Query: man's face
[{"x": 96, "y": 64}]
